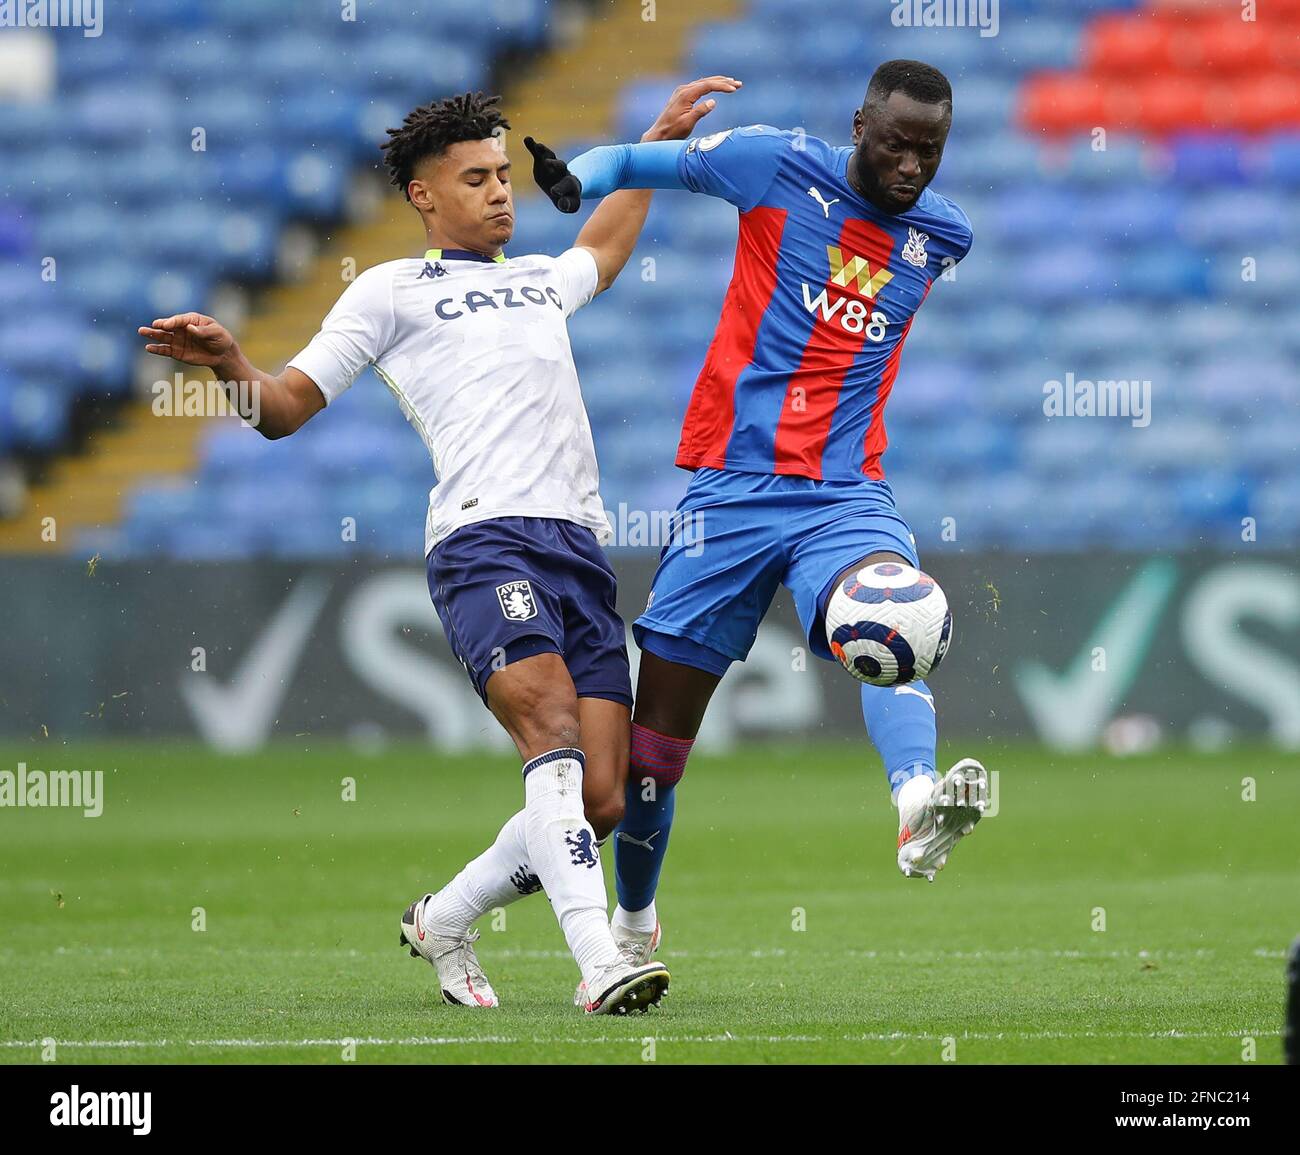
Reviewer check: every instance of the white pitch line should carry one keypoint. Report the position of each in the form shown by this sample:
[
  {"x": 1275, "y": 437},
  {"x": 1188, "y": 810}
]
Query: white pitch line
[
  {"x": 638, "y": 1040},
  {"x": 510, "y": 952}
]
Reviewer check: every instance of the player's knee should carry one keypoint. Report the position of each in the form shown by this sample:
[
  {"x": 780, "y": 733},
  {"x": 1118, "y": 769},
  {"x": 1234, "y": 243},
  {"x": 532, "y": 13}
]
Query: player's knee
[
  {"x": 544, "y": 718},
  {"x": 555, "y": 724},
  {"x": 667, "y": 714}
]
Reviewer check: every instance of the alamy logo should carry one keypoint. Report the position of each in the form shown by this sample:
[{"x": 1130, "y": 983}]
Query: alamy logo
[
  {"x": 88, "y": 15},
  {"x": 78, "y": 1108},
  {"x": 981, "y": 14},
  {"x": 581, "y": 849},
  {"x": 517, "y": 601},
  {"x": 914, "y": 251},
  {"x": 74, "y": 789}
]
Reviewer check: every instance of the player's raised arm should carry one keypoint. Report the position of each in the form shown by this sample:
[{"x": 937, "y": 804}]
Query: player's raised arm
[
  {"x": 605, "y": 170},
  {"x": 285, "y": 401},
  {"x": 737, "y": 165},
  {"x": 612, "y": 232}
]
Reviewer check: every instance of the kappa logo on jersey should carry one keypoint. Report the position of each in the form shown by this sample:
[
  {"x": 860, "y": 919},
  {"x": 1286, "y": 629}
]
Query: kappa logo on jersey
[
  {"x": 581, "y": 848},
  {"x": 517, "y": 601},
  {"x": 914, "y": 251},
  {"x": 854, "y": 268},
  {"x": 432, "y": 269}
]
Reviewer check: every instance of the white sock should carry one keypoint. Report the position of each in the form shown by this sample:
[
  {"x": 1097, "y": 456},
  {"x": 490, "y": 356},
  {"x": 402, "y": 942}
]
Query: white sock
[
  {"x": 562, "y": 849},
  {"x": 912, "y": 794},
  {"x": 497, "y": 877},
  {"x": 641, "y": 921}
]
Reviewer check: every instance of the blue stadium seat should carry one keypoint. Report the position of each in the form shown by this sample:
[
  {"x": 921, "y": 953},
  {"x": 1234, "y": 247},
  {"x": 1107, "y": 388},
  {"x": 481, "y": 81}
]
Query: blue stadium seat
[
  {"x": 1035, "y": 43},
  {"x": 1283, "y": 159},
  {"x": 33, "y": 414},
  {"x": 743, "y": 50},
  {"x": 117, "y": 112},
  {"x": 1207, "y": 159}
]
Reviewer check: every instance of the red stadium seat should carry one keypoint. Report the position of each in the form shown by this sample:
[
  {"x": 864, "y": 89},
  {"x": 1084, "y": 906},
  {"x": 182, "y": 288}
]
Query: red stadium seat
[
  {"x": 1224, "y": 44},
  {"x": 1284, "y": 46},
  {"x": 1124, "y": 43},
  {"x": 1165, "y": 104},
  {"x": 1177, "y": 66},
  {"x": 1266, "y": 103},
  {"x": 1056, "y": 102}
]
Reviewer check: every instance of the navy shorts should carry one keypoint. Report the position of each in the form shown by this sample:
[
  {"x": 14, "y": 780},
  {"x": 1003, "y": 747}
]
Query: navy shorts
[{"x": 512, "y": 587}]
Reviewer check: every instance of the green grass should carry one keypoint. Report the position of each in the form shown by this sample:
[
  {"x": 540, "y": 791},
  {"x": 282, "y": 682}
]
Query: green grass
[{"x": 302, "y": 893}]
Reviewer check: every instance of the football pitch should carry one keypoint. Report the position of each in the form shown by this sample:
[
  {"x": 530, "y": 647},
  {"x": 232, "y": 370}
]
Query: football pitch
[{"x": 1130, "y": 910}]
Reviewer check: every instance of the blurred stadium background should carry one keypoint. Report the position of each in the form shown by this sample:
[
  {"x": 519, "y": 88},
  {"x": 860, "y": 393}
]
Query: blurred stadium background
[
  {"x": 1120, "y": 589},
  {"x": 1131, "y": 169}
]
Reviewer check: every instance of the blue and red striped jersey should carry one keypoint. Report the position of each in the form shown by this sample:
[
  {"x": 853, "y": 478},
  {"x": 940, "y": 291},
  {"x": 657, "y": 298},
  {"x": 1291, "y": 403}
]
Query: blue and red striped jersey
[{"x": 823, "y": 293}]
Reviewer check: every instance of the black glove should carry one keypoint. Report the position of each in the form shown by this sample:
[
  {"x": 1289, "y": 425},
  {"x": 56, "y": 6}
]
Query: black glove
[{"x": 554, "y": 178}]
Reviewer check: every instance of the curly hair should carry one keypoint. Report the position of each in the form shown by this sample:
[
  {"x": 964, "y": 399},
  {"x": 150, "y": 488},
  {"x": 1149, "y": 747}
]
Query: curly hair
[{"x": 431, "y": 128}]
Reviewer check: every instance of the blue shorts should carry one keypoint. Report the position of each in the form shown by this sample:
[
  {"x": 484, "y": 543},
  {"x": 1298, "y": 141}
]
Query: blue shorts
[
  {"x": 737, "y": 536},
  {"x": 512, "y": 587}
]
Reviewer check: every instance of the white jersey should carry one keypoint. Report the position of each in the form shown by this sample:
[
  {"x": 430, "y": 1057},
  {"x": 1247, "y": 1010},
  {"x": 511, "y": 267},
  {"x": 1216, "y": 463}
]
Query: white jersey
[{"x": 477, "y": 353}]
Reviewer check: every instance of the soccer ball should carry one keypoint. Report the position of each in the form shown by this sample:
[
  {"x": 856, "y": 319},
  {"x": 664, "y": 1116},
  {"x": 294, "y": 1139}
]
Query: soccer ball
[{"x": 888, "y": 623}]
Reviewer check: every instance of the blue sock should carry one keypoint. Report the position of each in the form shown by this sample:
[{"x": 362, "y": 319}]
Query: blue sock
[
  {"x": 655, "y": 765},
  {"x": 901, "y": 725},
  {"x": 637, "y": 863}
]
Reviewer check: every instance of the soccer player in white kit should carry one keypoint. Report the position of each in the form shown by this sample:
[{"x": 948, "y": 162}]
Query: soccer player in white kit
[{"x": 474, "y": 346}]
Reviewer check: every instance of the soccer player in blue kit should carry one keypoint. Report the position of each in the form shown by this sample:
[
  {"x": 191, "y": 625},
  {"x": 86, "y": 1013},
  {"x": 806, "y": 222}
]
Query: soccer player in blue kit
[{"x": 837, "y": 248}]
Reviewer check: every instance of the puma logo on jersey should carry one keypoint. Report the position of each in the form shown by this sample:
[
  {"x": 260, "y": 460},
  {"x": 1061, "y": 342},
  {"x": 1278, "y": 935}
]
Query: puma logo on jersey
[{"x": 826, "y": 205}]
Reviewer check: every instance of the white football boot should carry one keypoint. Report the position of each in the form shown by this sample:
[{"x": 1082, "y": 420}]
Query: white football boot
[
  {"x": 636, "y": 948},
  {"x": 461, "y": 978},
  {"x": 623, "y": 989},
  {"x": 930, "y": 823}
]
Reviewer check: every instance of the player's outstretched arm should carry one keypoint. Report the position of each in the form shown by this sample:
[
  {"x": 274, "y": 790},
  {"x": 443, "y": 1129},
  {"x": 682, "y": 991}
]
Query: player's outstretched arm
[
  {"x": 286, "y": 401},
  {"x": 604, "y": 170},
  {"x": 651, "y": 164},
  {"x": 614, "y": 228}
]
